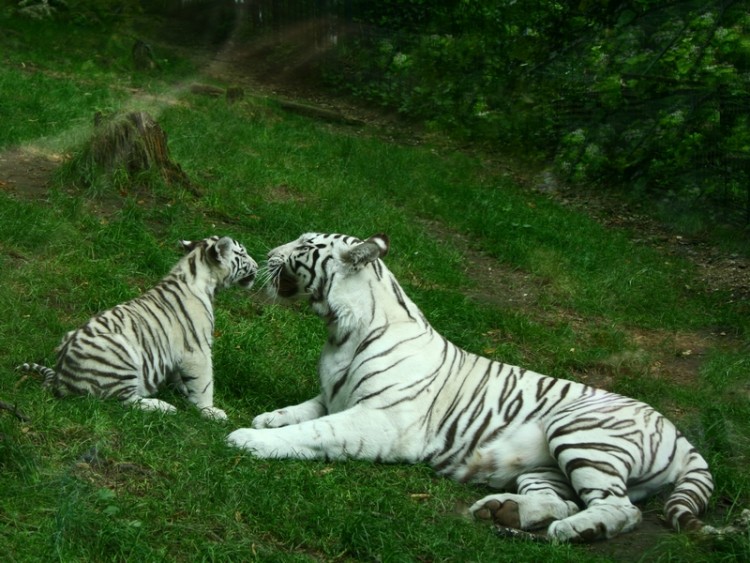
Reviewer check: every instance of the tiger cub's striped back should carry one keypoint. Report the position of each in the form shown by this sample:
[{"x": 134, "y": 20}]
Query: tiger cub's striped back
[{"x": 165, "y": 335}]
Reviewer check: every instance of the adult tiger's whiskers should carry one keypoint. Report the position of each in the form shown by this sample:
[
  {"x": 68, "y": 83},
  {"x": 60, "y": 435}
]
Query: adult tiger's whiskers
[{"x": 265, "y": 276}]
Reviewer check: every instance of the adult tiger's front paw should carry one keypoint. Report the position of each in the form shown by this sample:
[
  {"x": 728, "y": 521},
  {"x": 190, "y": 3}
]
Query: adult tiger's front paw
[{"x": 274, "y": 419}]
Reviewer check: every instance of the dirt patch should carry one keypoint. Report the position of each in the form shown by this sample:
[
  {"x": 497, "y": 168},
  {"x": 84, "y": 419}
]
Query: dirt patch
[
  {"x": 641, "y": 544},
  {"x": 284, "y": 194},
  {"x": 26, "y": 171},
  {"x": 634, "y": 545},
  {"x": 718, "y": 270},
  {"x": 103, "y": 472},
  {"x": 495, "y": 283}
]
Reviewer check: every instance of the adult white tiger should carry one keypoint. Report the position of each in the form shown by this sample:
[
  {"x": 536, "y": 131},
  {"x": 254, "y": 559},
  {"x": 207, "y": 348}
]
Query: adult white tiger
[
  {"x": 393, "y": 389},
  {"x": 165, "y": 335}
]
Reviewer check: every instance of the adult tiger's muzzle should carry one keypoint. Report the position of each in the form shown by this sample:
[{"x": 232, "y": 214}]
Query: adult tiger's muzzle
[
  {"x": 286, "y": 284},
  {"x": 282, "y": 283}
]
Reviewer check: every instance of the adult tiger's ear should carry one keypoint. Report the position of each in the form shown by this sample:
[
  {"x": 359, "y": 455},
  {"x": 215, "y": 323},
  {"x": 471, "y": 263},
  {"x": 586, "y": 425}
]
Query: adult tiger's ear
[{"x": 368, "y": 251}]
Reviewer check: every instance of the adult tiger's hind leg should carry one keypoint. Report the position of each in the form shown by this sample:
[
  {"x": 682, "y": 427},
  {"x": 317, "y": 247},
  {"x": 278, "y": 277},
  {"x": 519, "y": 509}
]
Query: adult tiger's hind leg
[
  {"x": 542, "y": 496},
  {"x": 598, "y": 452},
  {"x": 599, "y": 520},
  {"x": 608, "y": 510}
]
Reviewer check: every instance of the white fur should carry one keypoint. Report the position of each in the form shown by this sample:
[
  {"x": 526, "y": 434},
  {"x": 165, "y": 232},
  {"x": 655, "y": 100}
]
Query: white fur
[
  {"x": 393, "y": 389},
  {"x": 163, "y": 336}
]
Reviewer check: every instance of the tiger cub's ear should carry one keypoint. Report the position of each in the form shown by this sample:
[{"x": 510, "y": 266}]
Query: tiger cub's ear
[
  {"x": 220, "y": 249},
  {"x": 373, "y": 248},
  {"x": 188, "y": 245}
]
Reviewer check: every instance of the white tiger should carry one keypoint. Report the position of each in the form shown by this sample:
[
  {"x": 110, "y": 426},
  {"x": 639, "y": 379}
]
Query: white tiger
[
  {"x": 163, "y": 336},
  {"x": 393, "y": 389}
]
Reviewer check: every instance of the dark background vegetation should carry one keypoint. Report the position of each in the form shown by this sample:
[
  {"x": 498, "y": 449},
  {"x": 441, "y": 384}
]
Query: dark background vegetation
[{"x": 648, "y": 97}]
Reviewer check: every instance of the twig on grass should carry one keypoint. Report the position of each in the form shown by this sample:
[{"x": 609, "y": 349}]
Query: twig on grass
[{"x": 13, "y": 409}]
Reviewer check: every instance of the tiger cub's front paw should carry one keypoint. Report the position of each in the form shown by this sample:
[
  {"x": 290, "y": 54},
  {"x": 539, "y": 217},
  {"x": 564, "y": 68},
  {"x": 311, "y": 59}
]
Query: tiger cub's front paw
[
  {"x": 213, "y": 413},
  {"x": 148, "y": 404}
]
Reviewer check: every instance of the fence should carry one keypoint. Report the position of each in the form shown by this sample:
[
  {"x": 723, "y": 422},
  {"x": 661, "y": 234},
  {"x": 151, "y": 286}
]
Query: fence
[{"x": 701, "y": 128}]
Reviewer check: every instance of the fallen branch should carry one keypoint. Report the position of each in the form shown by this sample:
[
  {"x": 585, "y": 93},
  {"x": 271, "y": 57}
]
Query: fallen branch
[
  {"x": 317, "y": 112},
  {"x": 13, "y": 409},
  {"x": 206, "y": 90}
]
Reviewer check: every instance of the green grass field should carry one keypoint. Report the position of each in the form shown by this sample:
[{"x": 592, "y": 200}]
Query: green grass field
[{"x": 82, "y": 480}]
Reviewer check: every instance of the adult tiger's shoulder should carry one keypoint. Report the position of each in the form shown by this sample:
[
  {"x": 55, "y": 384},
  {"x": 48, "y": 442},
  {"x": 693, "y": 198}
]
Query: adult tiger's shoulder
[{"x": 165, "y": 335}]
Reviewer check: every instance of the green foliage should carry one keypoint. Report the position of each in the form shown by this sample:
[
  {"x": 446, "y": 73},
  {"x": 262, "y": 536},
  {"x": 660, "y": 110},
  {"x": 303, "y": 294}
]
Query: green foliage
[
  {"x": 672, "y": 87},
  {"x": 645, "y": 94},
  {"x": 407, "y": 15},
  {"x": 79, "y": 11}
]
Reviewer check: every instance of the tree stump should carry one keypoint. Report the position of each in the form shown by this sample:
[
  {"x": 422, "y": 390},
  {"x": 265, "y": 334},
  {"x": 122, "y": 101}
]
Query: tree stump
[
  {"x": 135, "y": 143},
  {"x": 143, "y": 56},
  {"x": 235, "y": 94}
]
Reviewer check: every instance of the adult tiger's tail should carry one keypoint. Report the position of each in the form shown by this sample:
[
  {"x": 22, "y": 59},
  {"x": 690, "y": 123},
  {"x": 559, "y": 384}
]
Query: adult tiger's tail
[
  {"x": 690, "y": 496},
  {"x": 48, "y": 374}
]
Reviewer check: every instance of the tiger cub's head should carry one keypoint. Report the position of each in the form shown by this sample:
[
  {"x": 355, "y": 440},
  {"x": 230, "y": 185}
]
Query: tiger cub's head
[
  {"x": 223, "y": 255},
  {"x": 308, "y": 265}
]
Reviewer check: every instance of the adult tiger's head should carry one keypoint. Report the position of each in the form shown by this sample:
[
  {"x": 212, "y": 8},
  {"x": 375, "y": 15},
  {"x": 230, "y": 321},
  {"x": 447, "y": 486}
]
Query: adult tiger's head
[
  {"x": 310, "y": 265},
  {"x": 225, "y": 257}
]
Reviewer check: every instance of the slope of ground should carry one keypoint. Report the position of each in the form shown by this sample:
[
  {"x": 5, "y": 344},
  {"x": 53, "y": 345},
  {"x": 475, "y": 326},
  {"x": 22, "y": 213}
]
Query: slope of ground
[{"x": 26, "y": 172}]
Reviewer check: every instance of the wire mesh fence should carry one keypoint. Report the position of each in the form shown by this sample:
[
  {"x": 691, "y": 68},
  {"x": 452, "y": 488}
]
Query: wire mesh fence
[{"x": 683, "y": 136}]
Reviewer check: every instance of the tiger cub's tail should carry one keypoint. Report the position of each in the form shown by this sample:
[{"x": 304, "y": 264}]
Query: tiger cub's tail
[
  {"x": 48, "y": 374},
  {"x": 691, "y": 493}
]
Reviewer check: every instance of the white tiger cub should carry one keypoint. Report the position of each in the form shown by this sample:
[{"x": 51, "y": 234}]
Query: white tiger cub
[
  {"x": 393, "y": 389},
  {"x": 163, "y": 336}
]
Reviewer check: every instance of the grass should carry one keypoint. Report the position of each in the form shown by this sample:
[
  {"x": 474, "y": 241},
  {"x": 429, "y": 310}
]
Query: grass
[{"x": 88, "y": 480}]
